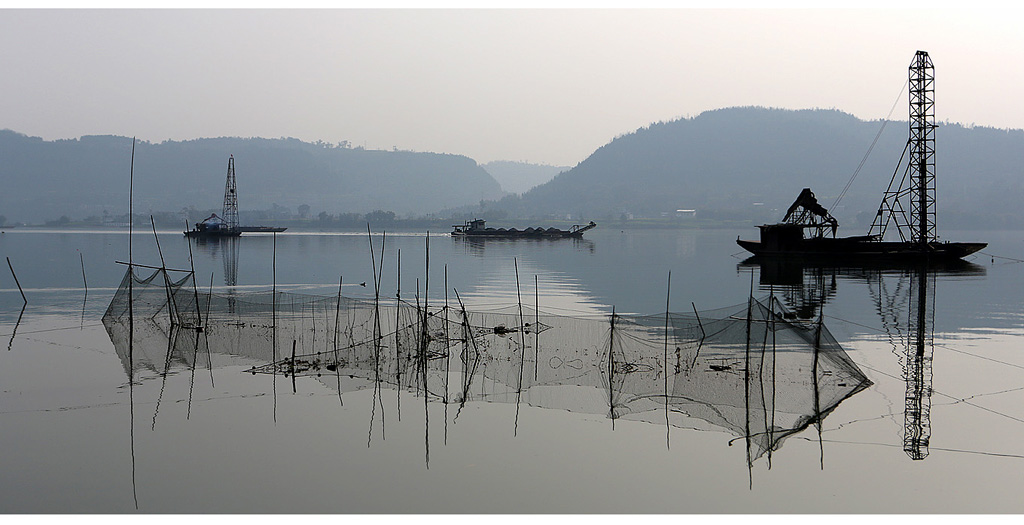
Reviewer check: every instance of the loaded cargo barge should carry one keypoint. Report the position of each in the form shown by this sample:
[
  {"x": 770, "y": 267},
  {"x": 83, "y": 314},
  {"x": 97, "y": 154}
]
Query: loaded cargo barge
[{"x": 477, "y": 230}]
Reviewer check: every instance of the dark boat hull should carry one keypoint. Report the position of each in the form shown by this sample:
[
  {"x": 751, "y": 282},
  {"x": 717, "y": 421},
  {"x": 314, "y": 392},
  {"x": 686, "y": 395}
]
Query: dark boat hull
[
  {"x": 853, "y": 249},
  {"x": 475, "y": 230},
  {"x": 212, "y": 234},
  {"x": 262, "y": 229},
  {"x": 517, "y": 235},
  {"x": 220, "y": 233}
]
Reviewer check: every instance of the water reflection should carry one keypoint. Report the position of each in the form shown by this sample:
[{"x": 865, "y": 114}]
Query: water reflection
[
  {"x": 807, "y": 286},
  {"x": 67, "y": 423},
  {"x": 226, "y": 249},
  {"x": 14, "y": 331},
  {"x": 904, "y": 297},
  {"x": 753, "y": 370},
  {"x": 479, "y": 246}
]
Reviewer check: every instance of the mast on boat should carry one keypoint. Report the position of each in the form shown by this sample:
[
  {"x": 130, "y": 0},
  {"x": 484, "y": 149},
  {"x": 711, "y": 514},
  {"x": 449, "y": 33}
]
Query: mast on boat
[
  {"x": 922, "y": 147},
  {"x": 919, "y": 227},
  {"x": 230, "y": 211}
]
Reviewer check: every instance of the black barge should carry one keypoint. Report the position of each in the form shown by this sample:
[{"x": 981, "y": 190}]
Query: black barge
[{"x": 475, "y": 229}]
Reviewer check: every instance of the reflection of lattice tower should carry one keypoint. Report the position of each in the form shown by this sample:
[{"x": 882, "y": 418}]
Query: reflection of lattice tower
[
  {"x": 922, "y": 147},
  {"x": 917, "y": 371},
  {"x": 229, "y": 254},
  {"x": 230, "y": 211}
]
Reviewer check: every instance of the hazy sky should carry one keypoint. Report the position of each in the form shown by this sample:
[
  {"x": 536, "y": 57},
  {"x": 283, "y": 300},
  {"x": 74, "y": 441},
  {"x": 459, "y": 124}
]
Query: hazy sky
[{"x": 544, "y": 86}]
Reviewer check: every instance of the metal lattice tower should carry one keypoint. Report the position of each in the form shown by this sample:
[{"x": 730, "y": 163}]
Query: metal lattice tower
[
  {"x": 922, "y": 147},
  {"x": 230, "y": 211}
]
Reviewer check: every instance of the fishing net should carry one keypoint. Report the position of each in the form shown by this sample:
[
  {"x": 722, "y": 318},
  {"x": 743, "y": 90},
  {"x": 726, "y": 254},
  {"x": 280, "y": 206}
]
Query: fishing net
[
  {"x": 752, "y": 369},
  {"x": 159, "y": 294}
]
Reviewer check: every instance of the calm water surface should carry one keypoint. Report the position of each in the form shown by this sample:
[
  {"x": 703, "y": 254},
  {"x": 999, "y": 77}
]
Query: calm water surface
[{"x": 941, "y": 350}]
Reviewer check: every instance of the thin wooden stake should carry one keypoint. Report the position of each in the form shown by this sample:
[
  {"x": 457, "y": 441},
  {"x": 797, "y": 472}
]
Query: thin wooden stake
[
  {"x": 423, "y": 352},
  {"x": 447, "y": 355},
  {"x": 273, "y": 313},
  {"x": 131, "y": 198},
  {"x": 377, "y": 336},
  {"x": 522, "y": 348},
  {"x": 668, "y": 296},
  {"x": 536, "y": 326},
  {"x": 771, "y": 426},
  {"x": 746, "y": 388},
  {"x": 337, "y": 361},
  {"x": 131, "y": 321},
  {"x": 195, "y": 287},
  {"x": 84, "y": 280},
  {"x": 192, "y": 377},
  {"x": 172, "y": 308},
  {"x": 702, "y": 334},
  {"x": 701, "y": 325},
  {"x": 611, "y": 370},
  {"x": 293, "y": 367},
  {"x": 16, "y": 280},
  {"x": 398, "y": 348},
  {"x": 206, "y": 336},
  {"x": 157, "y": 238},
  {"x": 418, "y": 329}
]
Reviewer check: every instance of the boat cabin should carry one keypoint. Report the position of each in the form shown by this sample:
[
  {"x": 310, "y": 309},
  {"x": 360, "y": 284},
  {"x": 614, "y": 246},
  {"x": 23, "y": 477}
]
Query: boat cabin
[
  {"x": 475, "y": 225},
  {"x": 212, "y": 224},
  {"x": 782, "y": 237}
]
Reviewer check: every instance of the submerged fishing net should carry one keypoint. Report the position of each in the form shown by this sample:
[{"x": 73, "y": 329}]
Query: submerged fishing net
[{"x": 750, "y": 369}]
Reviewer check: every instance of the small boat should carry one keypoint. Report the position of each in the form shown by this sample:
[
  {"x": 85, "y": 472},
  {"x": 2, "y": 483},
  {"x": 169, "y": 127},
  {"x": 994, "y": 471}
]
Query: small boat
[
  {"x": 477, "y": 230},
  {"x": 215, "y": 226},
  {"x": 808, "y": 231}
]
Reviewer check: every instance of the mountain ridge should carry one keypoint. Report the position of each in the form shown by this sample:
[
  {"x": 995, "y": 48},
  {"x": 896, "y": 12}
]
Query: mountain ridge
[
  {"x": 729, "y": 165},
  {"x": 89, "y": 175},
  {"x": 747, "y": 163}
]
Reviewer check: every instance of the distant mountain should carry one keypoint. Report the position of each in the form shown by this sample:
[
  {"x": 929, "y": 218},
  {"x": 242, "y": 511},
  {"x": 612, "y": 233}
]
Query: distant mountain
[
  {"x": 83, "y": 177},
  {"x": 750, "y": 163},
  {"x": 517, "y": 177},
  {"x": 734, "y": 165}
]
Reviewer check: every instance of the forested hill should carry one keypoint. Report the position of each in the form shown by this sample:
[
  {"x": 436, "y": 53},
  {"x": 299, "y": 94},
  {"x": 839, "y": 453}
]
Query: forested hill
[
  {"x": 83, "y": 177},
  {"x": 750, "y": 164}
]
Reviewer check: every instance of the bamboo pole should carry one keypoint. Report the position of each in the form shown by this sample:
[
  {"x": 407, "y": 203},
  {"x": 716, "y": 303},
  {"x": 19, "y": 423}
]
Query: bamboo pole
[
  {"x": 172, "y": 308},
  {"x": 195, "y": 287},
  {"x": 337, "y": 361},
  {"x": 536, "y": 326},
  {"x": 377, "y": 401},
  {"x": 9, "y": 265},
  {"x": 292, "y": 367},
  {"x": 424, "y": 348},
  {"x": 447, "y": 355},
  {"x": 398, "y": 321},
  {"x": 273, "y": 330},
  {"x": 206, "y": 337},
  {"x": 522, "y": 348},
  {"x": 85, "y": 281},
  {"x": 131, "y": 320},
  {"x": 611, "y": 370},
  {"x": 668, "y": 296}
]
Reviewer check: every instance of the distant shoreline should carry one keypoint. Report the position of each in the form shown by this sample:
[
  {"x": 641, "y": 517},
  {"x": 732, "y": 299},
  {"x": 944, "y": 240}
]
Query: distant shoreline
[{"x": 439, "y": 227}]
